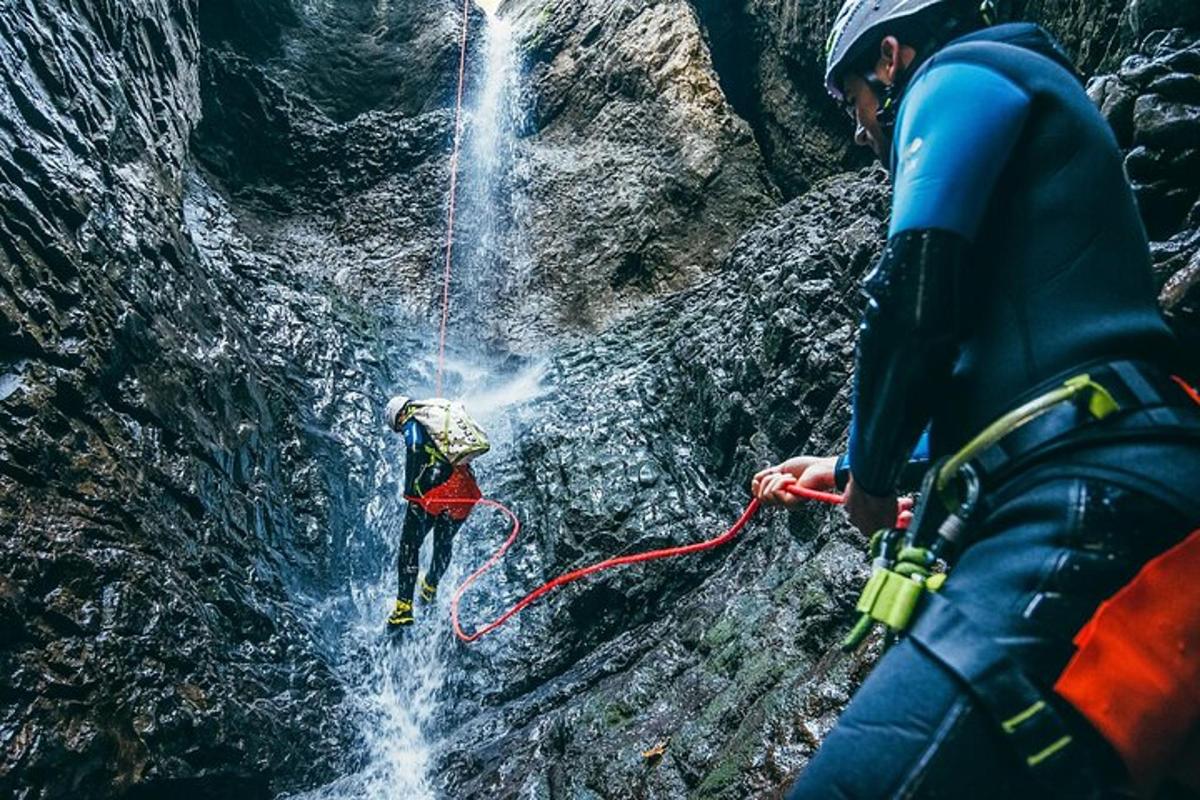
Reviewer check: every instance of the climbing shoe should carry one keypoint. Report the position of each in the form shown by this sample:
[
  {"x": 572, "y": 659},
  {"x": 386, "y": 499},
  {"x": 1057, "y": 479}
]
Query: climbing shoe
[
  {"x": 428, "y": 591},
  {"x": 401, "y": 618}
]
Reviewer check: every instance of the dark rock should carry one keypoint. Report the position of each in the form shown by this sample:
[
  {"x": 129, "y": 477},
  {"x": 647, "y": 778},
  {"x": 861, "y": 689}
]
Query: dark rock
[
  {"x": 155, "y": 440},
  {"x": 1145, "y": 165},
  {"x": 1115, "y": 98},
  {"x": 1182, "y": 287},
  {"x": 1176, "y": 168},
  {"x": 347, "y": 59},
  {"x": 1162, "y": 123},
  {"x": 625, "y": 89},
  {"x": 1177, "y": 86},
  {"x": 1151, "y": 15},
  {"x": 768, "y": 54},
  {"x": 1140, "y": 70},
  {"x": 1164, "y": 206},
  {"x": 1096, "y": 34}
]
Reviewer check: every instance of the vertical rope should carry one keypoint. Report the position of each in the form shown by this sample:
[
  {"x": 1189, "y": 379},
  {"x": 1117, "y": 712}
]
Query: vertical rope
[{"x": 458, "y": 110}]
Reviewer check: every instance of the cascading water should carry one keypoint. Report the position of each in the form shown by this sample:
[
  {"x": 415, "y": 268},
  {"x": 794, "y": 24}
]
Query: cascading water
[
  {"x": 486, "y": 241},
  {"x": 393, "y": 688}
]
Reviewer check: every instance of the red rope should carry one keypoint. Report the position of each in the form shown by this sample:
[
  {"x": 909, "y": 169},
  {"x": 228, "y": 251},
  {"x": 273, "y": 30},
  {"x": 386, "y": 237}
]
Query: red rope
[
  {"x": 1187, "y": 387},
  {"x": 458, "y": 109},
  {"x": 569, "y": 577},
  {"x": 618, "y": 561}
]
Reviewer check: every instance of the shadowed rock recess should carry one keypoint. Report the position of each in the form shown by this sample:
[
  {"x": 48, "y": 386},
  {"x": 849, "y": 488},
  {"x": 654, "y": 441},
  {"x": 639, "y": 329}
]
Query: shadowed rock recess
[{"x": 220, "y": 224}]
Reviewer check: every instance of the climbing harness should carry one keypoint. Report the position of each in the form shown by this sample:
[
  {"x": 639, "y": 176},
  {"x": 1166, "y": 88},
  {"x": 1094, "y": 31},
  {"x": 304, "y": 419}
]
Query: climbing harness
[
  {"x": 1145, "y": 640},
  {"x": 909, "y": 567},
  {"x": 455, "y": 496},
  {"x": 618, "y": 561}
]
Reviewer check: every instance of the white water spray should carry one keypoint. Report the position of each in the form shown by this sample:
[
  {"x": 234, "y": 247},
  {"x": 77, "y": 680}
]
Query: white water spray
[
  {"x": 393, "y": 690},
  {"x": 486, "y": 208}
]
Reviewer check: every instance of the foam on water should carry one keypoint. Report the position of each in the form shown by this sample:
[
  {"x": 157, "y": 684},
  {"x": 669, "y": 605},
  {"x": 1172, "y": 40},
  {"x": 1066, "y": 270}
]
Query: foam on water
[{"x": 393, "y": 688}]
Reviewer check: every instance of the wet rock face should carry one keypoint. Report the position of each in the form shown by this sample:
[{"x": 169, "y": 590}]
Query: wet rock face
[
  {"x": 160, "y": 486},
  {"x": 218, "y": 221},
  {"x": 648, "y": 438},
  {"x": 770, "y": 56},
  {"x": 360, "y": 56},
  {"x": 1153, "y": 105},
  {"x": 636, "y": 171}
]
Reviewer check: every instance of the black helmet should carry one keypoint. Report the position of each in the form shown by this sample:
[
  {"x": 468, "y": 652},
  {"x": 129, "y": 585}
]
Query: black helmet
[{"x": 861, "y": 23}]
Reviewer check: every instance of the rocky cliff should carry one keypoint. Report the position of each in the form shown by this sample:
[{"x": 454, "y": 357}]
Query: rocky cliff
[
  {"x": 167, "y": 482},
  {"x": 221, "y": 234}
]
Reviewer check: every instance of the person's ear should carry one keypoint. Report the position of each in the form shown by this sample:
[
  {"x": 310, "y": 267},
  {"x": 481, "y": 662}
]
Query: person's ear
[{"x": 889, "y": 58}]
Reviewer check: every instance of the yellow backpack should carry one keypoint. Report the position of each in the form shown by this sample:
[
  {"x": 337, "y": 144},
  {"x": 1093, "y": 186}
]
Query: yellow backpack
[{"x": 454, "y": 433}]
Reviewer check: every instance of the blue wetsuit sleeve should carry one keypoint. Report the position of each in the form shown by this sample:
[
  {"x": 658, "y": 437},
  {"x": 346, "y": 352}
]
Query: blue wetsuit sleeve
[
  {"x": 425, "y": 467},
  {"x": 918, "y": 462},
  {"x": 415, "y": 457},
  {"x": 956, "y": 128}
]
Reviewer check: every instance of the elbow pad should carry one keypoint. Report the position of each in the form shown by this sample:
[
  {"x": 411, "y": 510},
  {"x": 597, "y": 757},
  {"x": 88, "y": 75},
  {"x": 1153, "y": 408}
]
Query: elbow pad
[{"x": 906, "y": 348}]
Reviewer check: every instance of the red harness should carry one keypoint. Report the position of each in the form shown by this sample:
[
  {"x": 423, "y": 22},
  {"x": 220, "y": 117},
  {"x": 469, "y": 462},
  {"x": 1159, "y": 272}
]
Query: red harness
[
  {"x": 460, "y": 489},
  {"x": 1136, "y": 674}
]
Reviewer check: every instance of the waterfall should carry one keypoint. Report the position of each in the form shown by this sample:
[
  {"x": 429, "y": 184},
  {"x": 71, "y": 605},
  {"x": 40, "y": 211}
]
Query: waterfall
[
  {"x": 393, "y": 688},
  {"x": 485, "y": 242}
]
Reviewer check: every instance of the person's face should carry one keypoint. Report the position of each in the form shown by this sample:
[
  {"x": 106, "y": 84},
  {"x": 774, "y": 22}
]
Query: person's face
[{"x": 861, "y": 104}]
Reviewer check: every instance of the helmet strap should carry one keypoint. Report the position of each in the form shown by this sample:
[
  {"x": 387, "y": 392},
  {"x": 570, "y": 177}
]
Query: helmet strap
[
  {"x": 888, "y": 95},
  {"x": 987, "y": 12}
]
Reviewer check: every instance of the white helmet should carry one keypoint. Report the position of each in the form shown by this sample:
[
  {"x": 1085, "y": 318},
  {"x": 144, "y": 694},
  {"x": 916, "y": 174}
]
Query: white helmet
[
  {"x": 861, "y": 23},
  {"x": 395, "y": 408}
]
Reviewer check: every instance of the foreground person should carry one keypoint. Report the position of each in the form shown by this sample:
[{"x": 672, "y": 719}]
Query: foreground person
[
  {"x": 439, "y": 440},
  {"x": 1013, "y": 314}
]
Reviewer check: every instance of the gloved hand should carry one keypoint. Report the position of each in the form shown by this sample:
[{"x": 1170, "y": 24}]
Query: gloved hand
[{"x": 867, "y": 512}]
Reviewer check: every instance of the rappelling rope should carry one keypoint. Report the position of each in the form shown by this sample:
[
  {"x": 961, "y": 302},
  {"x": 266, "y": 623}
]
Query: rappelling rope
[
  {"x": 582, "y": 572},
  {"x": 458, "y": 110},
  {"x": 574, "y": 575}
]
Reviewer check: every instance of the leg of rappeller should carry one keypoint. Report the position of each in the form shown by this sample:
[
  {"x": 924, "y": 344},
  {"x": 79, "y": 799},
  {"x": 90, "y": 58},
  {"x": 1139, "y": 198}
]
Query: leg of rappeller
[
  {"x": 443, "y": 545},
  {"x": 912, "y": 730},
  {"x": 416, "y": 525}
]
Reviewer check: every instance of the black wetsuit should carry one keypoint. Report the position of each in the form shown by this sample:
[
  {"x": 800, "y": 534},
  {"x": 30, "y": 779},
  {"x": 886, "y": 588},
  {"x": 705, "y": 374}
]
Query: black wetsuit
[
  {"x": 1016, "y": 258},
  {"x": 424, "y": 469}
]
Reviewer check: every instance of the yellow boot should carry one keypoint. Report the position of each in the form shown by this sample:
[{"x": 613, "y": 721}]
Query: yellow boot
[
  {"x": 402, "y": 616},
  {"x": 428, "y": 591}
]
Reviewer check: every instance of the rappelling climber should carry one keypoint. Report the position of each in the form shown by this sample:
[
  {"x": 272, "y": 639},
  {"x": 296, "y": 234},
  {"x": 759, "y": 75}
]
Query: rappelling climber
[
  {"x": 440, "y": 438},
  {"x": 1013, "y": 313}
]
